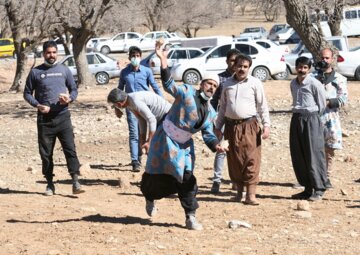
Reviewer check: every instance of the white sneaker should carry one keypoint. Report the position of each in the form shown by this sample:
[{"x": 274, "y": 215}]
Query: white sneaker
[
  {"x": 151, "y": 210},
  {"x": 192, "y": 224}
]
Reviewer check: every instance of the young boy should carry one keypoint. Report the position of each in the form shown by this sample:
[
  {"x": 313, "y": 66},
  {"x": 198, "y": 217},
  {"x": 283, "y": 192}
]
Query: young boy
[{"x": 307, "y": 132}]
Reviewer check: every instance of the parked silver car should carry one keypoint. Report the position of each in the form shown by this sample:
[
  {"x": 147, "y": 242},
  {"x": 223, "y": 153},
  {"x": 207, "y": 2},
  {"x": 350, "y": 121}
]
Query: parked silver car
[{"x": 103, "y": 67}]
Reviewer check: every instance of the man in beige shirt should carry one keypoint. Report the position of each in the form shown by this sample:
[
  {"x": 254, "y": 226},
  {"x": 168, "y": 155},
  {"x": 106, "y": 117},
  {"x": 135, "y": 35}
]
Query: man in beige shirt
[{"x": 242, "y": 102}]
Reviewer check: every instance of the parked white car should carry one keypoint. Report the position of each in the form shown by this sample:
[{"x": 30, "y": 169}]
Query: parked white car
[
  {"x": 287, "y": 35},
  {"x": 60, "y": 48},
  {"x": 119, "y": 43},
  {"x": 147, "y": 42},
  {"x": 103, "y": 67},
  {"x": 90, "y": 45},
  {"x": 254, "y": 32},
  {"x": 350, "y": 64},
  {"x": 175, "y": 56},
  {"x": 265, "y": 63}
]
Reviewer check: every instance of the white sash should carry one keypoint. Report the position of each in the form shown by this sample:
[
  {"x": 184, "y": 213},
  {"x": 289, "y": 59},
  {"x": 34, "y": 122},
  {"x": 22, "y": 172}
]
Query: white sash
[{"x": 175, "y": 133}]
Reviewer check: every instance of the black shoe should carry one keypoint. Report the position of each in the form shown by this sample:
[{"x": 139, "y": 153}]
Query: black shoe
[
  {"x": 328, "y": 185},
  {"x": 136, "y": 166},
  {"x": 316, "y": 196},
  {"x": 215, "y": 188},
  {"x": 301, "y": 195}
]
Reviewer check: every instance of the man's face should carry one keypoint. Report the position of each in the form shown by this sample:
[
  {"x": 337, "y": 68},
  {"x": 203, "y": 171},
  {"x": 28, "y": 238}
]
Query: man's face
[
  {"x": 242, "y": 69},
  {"x": 209, "y": 87},
  {"x": 135, "y": 55},
  {"x": 327, "y": 56},
  {"x": 50, "y": 55},
  {"x": 230, "y": 63},
  {"x": 302, "y": 70}
]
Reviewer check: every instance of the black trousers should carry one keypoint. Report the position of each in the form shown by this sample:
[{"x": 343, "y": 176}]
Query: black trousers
[
  {"x": 307, "y": 150},
  {"x": 51, "y": 127},
  {"x": 157, "y": 186}
]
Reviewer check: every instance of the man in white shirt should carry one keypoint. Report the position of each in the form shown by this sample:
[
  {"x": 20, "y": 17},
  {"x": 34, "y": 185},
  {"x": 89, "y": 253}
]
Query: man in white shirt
[{"x": 242, "y": 100}]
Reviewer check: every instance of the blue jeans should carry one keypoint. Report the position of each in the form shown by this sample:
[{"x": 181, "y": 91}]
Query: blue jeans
[
  {"x": 135, "y": 151},
  {"x": 218, "y": 166}
]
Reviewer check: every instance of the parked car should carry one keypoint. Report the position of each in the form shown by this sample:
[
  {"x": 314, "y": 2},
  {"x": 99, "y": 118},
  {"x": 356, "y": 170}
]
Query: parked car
[
  {"x": 254, "y": 32},
  {"x": 103, "y": 67},
  {"x": 119, "y": 43},
  {"x": 273, "y": 46},
  {"x": 350, "y": 64},
  {"x": 147, "y": 42},
  {"x": 7, "y": 48},
  {"x": 340, "y": 42},
  {"x": 273, "y": 31},
  {"x": 265, "y": 63},
  {"x": 176, "y": 55},
  {"x": 60, "y": 47},
  {"x": 287, "y": 35},
  {"x": 91, "y": 44}
]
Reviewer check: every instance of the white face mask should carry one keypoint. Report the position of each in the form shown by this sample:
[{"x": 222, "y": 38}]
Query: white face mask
[
  {"x": 135, "y": 61},
  {"x": 204, "y": 96}
]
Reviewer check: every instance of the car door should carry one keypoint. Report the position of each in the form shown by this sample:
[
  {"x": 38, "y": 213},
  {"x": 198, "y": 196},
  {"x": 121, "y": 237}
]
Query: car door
[
  {"x": 148, "y": 41},
  {"x": 94, "y": 63},
  {"x": 118, "y": 43},
  {"x": 251, "y": 51},
  {"x": 177, "y": 57},
  {"x": 70, "y": 63},
  {"x": 216, "y": 59},
  {"x": 6, "y": 48}
]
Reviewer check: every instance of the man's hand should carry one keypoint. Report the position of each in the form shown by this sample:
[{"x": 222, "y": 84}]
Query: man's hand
[
  {"x": 64, "y": 99},
  {"x": 266, "y": 132},
  {"x": 43, "y": 108},
  {"x": 219, "y": 148},
  {"x": 118, "y": 113},
  {"x": 145, "y": 147},
  {"x": 160, "y": 51}
]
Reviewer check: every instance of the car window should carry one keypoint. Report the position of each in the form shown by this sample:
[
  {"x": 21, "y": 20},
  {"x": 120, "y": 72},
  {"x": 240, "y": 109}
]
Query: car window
[
  {"x": 252, "y": 29},
  {"x": 169, "y": 54},
  {"x": 5, "y": 42},
  {"x": 91, "y": 59},
  {"x": 246, "y": 49},
  {"x": 69, "y": 62},
  {"x": 336, "y": 43},
  {"x": 179, "y": 54},
  {"x": 194, "y": 53},
  {"x": 264, "y": 44},
  {"x": 149, "y": 36},
  {"x": 100, "y": 59},
  {"x": 132, "y": 36},
  {"x": 120, "y": 37},
  {"x": 220, "y": 52}
]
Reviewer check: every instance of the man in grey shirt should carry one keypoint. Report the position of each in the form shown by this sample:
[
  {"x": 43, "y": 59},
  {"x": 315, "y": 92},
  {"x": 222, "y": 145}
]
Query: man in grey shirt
[
  {"x": 149, "y": 108},
  {"x": 307, "y": 132}
]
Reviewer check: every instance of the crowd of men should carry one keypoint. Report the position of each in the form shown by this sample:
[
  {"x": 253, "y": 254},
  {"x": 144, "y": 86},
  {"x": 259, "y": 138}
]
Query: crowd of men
[{"x": 230, "y": 110}]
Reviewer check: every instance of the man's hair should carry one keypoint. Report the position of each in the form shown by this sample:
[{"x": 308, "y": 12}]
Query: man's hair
[
  {"x": 231, "y": 53},
  {"x": 134, "y": 50},
  {"x": 49, "y": 44},
  {"x": 242, "y": 57},
  {"x": 117, "y": 95},
  {"x": 303, "y": 61},
  {"x": 329, "y": 49}
]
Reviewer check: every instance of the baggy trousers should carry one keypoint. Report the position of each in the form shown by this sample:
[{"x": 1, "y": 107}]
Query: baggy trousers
[
  {"x": 244, "y": 153},
  {"x": 157, "y": 186},
  {"x": 308, "y": 151},
  {"x": 49, "y": 128}
]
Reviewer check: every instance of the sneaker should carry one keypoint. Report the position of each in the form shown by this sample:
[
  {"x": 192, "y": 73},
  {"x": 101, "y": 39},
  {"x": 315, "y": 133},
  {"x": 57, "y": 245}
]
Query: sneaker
[
  {"x": 301, "y": 195},
  {"x": 76, "y": 188},
  {"x": 136, "y": 166},
  {"x": 150, "y": 207},
  {"x": 215, "y": 188},
  {"x": 192, "y": 224},
  {"x": 316, "y": 196},
  {"x": 297, "y": 186},
  {"x": 50, "y": 190},
  {"x": 328, "y": 185}
]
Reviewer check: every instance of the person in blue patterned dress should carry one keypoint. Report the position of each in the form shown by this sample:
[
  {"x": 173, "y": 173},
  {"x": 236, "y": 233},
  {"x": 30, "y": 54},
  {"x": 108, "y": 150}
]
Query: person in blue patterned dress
[
  {"x": 170, "y": 163},
  {"x": 336, "y": 97}
]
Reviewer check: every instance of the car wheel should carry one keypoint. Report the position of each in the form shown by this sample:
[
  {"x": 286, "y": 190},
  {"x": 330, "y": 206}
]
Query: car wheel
[
  {"x": 102, "y": 78},
  {"x": 282, "y": 76},
  {"x": 105, "y": 50},
  {"x": 191, "y": 77},
  {"x": 357, "y": 74},
  {"x": 261, "y": 73}
]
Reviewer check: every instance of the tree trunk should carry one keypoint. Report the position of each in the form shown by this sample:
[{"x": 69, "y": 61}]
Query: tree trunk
[
  {"x": 334, "y": 20},
  {"x": 84, "y": 76},
  {"x": 297, "y": 17},
  {"x": 20, "y": 75}
]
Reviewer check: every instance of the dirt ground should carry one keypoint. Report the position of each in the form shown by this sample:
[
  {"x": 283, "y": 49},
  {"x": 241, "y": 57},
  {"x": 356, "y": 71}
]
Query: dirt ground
[{"x": 109, "y": 219}]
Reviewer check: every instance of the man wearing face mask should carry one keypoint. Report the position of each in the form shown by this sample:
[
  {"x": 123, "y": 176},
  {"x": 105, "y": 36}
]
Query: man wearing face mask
[
  {"x": 242, "y": 100},
  {"x": 170, "y": 163},
  {"x": 307, "y": 132},
  {"x": 134, "y": 78},
  {"x": 51, "y": 83},
  {"x": 336, "y": 97}
]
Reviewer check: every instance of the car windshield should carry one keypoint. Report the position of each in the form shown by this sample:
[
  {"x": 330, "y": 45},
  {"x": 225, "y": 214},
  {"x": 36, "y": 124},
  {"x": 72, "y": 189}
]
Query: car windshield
[
  {"x": 284, "y": 30},
  {"x": 252, "y": 29},
  {"x": 206, "y": 51},
  {"x": 297, "y": 48},
  {"x": 355, "y": 49}
]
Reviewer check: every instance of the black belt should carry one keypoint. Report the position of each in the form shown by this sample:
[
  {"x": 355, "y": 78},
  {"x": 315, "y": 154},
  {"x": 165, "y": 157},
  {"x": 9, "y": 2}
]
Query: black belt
[{"x": 238, "y": 121}]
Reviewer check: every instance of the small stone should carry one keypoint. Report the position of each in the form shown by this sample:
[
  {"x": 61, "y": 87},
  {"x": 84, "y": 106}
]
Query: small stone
[
  {"x": 354, "y": 234},
  {"x": 161, "y": 247},
  {"x": 349, "y": 159},
  {"x": 123, "y": 182},
  {"x": 303, "y": 205},
  {"x": 234, "y": 224},
  {"x": 303, "y": 214},
  {"x": 54, "y": 252},
  {"x": 343, "y": 192}
]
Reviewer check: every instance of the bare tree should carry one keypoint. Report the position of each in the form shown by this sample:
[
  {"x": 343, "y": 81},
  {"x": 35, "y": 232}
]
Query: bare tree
[
  {"x": 29, "y": 23},
  {"x": 81, "y": 18}
]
